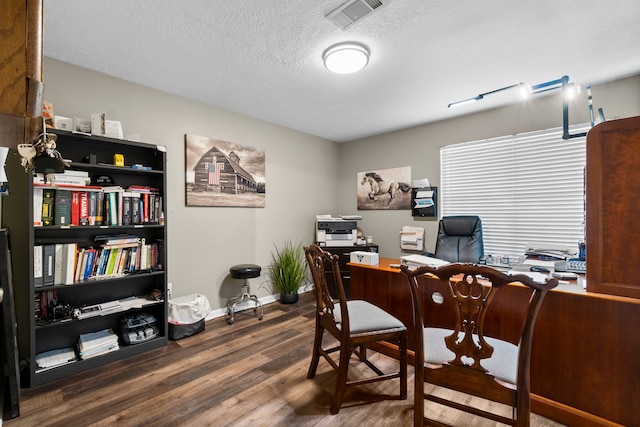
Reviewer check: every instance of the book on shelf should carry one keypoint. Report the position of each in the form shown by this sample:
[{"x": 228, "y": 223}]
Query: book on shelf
[
  {"x": 84, "y": 208},
  {"x": 88, "y": 268},
  {"x": 67, "y": 178},
  {"x": 55, "y": 358},
  {"x": 99, "y": 208},
  {"x": 48, "y": 197},
  {"x": 92, "y": 207},
  {"x": 135, "y": 208},
  {"x": 115, "y": 239},
  {"x": 37, "y": 206},
  {"x": 97, "y": 343},
  {"x": 62, "y": 207},
  {"x": 126, "y": 208},
  {"x": 81, "y": 261},
  {"x": 75, "y": 208}
]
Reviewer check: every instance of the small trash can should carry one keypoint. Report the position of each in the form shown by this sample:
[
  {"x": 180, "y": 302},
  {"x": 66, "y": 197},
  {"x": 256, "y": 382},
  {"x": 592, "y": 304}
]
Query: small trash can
[{"x": 187, "y": 315}]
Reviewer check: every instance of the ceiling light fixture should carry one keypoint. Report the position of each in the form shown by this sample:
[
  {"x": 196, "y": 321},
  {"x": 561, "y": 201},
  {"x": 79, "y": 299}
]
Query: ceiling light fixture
[{"x": 346, "y": 58}]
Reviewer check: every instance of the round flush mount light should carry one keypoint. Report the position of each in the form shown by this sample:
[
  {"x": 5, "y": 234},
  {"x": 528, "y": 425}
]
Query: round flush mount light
[{"x": 346, "y": 58}]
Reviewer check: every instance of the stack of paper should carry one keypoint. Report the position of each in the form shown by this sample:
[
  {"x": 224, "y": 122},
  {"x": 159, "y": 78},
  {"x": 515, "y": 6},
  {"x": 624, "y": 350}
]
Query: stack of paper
[
  {"x": 97, "y": 343},
  {"x": 420, "y": 260},
  {"x": 54, "y": 358}
]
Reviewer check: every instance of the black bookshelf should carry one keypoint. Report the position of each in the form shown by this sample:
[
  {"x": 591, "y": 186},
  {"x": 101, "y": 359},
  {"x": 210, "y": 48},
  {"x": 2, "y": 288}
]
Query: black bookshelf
[{"x": 94, "y": 155}]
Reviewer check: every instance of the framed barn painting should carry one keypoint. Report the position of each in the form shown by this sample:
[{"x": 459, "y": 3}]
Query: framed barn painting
[
  {"x": 384, "y": 189},
  {"x": 222, "y": 173}
]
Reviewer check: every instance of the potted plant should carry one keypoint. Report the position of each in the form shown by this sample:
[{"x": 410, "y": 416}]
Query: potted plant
[{"x": 288, "y": 269}]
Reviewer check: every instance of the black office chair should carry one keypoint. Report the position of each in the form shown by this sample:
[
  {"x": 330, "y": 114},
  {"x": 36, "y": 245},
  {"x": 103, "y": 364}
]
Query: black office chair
[{"x": 460, "y": 239}]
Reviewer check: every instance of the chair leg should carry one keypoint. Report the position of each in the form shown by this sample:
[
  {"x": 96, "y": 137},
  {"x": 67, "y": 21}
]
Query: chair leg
[
  {"x": 523, "y": 409},
  {"x": 341, "y": 381},
  {"x": 403, "y": 367},
  {"x": 418, "y": 400},
  {"x": 315, "y": 358}
]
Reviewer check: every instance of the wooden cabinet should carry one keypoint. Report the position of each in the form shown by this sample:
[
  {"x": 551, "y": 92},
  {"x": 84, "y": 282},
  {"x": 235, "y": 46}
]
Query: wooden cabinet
[
  {"x": 343, "y": 253},
  {"x": 613, "y": 205},
  {"x": 38, "y": 334}
]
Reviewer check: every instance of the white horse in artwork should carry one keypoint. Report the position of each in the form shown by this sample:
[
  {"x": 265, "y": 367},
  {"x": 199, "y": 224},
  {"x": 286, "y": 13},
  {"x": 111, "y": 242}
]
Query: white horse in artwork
[{"x": 380, "y": 187}]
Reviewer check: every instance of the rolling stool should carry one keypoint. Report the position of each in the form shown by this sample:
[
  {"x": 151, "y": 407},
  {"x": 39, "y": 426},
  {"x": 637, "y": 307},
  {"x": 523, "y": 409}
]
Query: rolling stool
[{"x": 244, "y": 271}]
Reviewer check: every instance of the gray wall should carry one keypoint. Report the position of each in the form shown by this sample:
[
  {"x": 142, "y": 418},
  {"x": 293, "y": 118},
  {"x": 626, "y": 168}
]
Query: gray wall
[
  {"x": 306, "y": 175},
  {"x": 301, "y": 176},
  {"x": 419, "y": 146}
]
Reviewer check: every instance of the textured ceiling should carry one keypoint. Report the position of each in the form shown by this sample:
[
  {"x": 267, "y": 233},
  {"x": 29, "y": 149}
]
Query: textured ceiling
[{"x": 263, "y": 59}]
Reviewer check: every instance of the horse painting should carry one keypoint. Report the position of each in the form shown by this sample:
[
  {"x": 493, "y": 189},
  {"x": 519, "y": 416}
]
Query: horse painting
[{"x": 380, "y": 187}]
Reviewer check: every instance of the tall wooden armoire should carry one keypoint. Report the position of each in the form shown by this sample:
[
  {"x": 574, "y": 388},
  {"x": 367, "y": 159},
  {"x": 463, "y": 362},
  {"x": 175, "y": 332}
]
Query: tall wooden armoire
[{"x": 613, "y": 207}]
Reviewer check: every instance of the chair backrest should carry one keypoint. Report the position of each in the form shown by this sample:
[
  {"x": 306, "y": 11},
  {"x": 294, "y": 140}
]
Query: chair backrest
[
  {"x": 460, "y": 239},
  {"x": 322, "y": 263},
  {"x": 457, "y": 300}
]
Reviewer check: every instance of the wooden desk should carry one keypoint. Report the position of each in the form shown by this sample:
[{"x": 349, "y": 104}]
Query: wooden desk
[{"x": 584, "y": 360}]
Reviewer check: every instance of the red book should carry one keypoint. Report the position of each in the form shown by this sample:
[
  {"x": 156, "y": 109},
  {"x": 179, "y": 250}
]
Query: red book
[
  {"x": 84, "y": 208},
  {"x": 75, "y": 208},
  {"x": 145, "y": 205}
]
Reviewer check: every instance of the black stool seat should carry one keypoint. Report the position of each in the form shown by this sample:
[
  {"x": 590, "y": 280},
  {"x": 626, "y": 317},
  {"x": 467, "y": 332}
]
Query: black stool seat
[{"x": 245, "y": 271}]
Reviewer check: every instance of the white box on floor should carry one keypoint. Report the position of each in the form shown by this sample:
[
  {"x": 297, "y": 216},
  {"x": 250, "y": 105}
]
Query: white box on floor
[{"x": 362, "y": 257}]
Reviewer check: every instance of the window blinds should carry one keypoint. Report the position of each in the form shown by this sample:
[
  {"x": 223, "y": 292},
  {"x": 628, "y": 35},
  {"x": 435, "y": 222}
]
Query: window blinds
[{"x": 527, "y": 188}]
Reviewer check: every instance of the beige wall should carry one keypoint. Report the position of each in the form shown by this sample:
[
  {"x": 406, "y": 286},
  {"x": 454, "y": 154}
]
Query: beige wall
[
  {"x": 418, "y": 147},
  {"x": 306, "y": 175},
  {"x": 203, "y": 243}
]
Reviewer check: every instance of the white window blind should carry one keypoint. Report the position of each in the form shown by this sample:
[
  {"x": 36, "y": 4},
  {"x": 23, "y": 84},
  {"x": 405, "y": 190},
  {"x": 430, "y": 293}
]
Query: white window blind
[{"x": 527, "y": 188}]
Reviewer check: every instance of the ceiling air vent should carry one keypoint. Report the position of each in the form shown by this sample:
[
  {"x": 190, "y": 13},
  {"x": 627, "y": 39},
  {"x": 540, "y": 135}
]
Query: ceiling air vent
[{"x": 355, "y": 11}]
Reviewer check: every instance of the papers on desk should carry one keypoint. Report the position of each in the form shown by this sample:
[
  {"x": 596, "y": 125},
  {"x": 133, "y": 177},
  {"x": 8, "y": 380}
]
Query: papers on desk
[
  {"x": 538, "y": 277},
  {"x": 550, "y": 250},
  {"x": 420, "y": 260}
]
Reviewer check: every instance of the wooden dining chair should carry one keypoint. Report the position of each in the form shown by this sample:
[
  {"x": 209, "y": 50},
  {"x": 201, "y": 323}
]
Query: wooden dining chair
[
  {"x": 354, "y": 324},
  {"x": 470, "y": 345}
]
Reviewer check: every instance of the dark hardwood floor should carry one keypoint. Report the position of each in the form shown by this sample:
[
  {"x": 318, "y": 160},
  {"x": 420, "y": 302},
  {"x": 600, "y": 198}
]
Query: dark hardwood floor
[{"x": 251, "y": 373}]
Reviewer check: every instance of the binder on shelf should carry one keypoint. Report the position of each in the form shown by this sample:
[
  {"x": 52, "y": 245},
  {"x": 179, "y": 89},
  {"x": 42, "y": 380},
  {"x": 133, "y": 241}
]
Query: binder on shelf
[
  {"x": 38, "y": 278},
  {"x": 69, "y": 263},
  {"x": 59, "y": 264}
]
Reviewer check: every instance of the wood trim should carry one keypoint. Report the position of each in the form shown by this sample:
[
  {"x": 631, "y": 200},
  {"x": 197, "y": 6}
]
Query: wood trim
[{"x": 566, "y": 414}]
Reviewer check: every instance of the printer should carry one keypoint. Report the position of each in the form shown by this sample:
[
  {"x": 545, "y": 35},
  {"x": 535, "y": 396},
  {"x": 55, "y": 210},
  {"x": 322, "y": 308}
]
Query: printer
[{"x": 336, "y": 232}]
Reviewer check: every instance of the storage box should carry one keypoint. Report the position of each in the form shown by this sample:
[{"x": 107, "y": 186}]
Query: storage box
[{"x": 362, "y": 257}]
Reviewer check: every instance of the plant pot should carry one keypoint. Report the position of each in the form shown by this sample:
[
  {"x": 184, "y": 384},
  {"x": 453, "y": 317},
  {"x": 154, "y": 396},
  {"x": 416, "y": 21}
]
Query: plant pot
[{"x": 288, "y": 298}]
